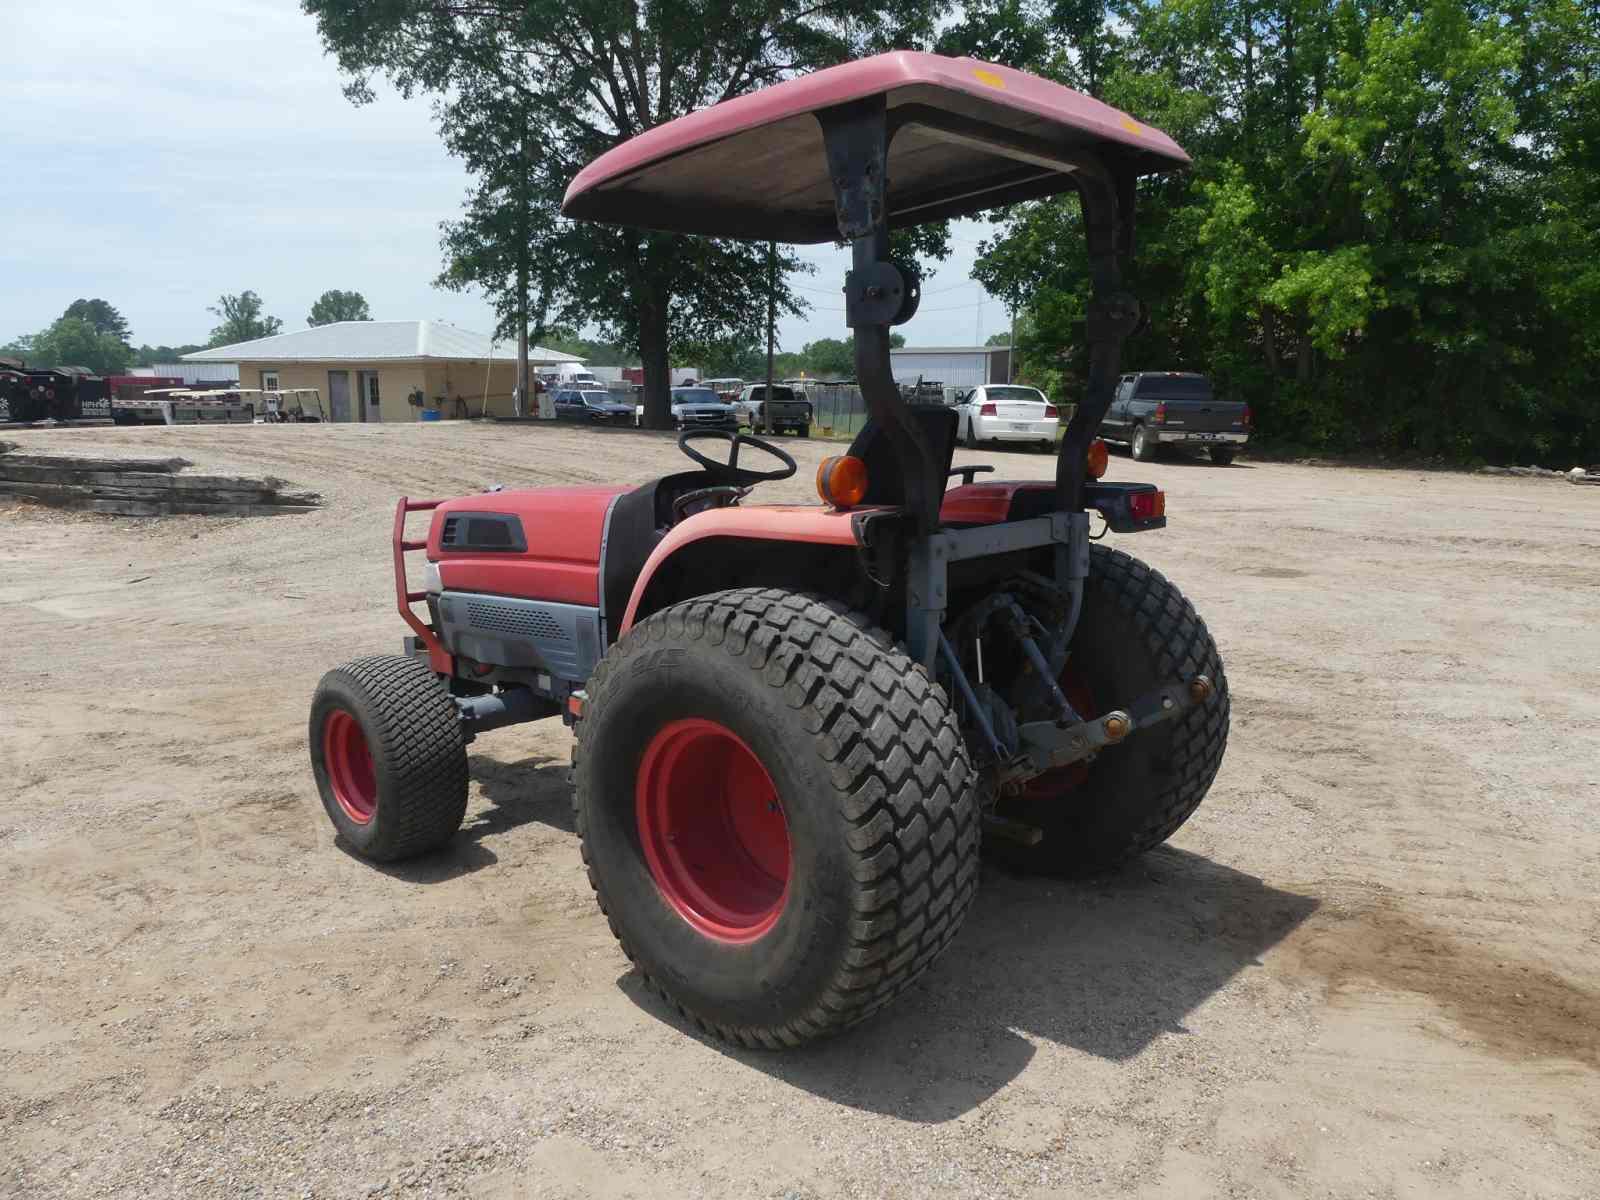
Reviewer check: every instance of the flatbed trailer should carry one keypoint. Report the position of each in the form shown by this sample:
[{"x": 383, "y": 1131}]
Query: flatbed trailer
[{"x": 186, "y": 406}]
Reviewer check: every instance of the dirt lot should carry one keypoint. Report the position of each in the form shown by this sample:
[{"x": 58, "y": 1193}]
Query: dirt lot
[{"x": 1370, "y": 965}]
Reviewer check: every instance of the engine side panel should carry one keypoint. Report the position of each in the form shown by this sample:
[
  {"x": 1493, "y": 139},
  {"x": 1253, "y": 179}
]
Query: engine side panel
[
  {"x": 563, "y": 639},
  {"x": 562, "y": 529}
]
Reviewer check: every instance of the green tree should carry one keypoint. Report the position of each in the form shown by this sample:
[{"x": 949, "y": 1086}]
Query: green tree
[
  {"x": 149, "y": 356},
  {"x": 531, "y": 92},
  {"x": 334, "y": 305},
  {"x": 831, "y": 358},
  {"x": 241, "y": 319},
  {"x": 1388, "y": 242},
  {"x": 102, "y": 316},
  {"x": 72, "y": 342}
]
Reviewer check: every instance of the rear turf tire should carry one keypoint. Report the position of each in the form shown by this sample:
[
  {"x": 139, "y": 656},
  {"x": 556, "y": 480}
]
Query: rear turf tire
[
  {"x": 876, "y": 793},
  {"x": 972, "y": 436},
  {"x": 1222, "y": 455},
  {"x": 1143, "y": 445},
  {"x": 389, "y": 757},
  {"x": 1137, "y": 632}
]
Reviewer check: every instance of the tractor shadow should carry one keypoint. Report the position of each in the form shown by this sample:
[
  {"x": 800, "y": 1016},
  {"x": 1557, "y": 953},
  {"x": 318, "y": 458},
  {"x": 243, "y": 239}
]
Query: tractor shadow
[
  {"x": 1105, "y": 967},
  {"x": 534, "y": 789}
]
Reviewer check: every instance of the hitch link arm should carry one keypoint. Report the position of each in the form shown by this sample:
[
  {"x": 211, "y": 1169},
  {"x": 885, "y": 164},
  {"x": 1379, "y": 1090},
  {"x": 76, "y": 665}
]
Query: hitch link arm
[
  {"x": 1046, "y": 745},
  {"x": 1065, "y": 713},
  {"x": 980, "y": 715}
]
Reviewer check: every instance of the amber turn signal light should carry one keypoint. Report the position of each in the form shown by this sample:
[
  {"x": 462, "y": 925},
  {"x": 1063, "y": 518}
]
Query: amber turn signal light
[
  {"x": 1099, "y": 458},
  {"x": 842, "y": 481}
]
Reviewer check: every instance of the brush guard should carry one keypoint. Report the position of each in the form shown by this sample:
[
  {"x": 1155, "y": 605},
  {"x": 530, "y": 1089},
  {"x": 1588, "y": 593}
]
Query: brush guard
[{"x": 427, "y": 638}]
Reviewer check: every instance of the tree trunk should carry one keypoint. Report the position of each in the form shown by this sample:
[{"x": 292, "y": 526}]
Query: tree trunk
[
  {"x": 1269, "y": 341},
  {"x": 1303, "y": 355},
  {"x": 657, "y": 371}
]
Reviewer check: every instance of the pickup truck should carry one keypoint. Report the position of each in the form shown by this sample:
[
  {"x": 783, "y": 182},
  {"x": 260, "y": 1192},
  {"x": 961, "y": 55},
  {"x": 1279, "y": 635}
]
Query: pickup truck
[
  {"x": 785, "y": 410},
  {"x": 1156, "y": 409}
]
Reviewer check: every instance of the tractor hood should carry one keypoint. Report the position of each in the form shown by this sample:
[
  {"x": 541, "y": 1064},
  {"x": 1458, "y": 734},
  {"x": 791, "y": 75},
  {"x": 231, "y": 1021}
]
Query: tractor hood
[{"x": 543, "y": 542}]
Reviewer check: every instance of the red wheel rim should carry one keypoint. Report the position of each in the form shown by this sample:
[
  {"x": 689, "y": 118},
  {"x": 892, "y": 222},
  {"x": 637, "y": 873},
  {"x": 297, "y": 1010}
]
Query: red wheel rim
[
  {"x": 349, "y": 762},
  {"x": 713, "y": 831},
  {"x": 1060, "y": 780}
]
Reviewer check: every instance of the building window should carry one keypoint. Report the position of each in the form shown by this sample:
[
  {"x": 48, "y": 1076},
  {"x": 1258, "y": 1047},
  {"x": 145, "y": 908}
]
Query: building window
[
  {"x": 269, "y": 381},
  {"x": 372, "y": 389}
]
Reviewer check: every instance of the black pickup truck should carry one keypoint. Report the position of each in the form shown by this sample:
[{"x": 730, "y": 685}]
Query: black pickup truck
[{"x": 1157, "y": 409}]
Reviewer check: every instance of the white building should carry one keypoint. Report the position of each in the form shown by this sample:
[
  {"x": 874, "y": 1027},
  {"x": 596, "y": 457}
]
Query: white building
[
  {"x": 953, "y": 366},
  {"x": 192, "y": 373}
]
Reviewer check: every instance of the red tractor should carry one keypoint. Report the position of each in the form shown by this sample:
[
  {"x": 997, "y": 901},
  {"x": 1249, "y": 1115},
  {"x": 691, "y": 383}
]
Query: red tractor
[{"x": 795, "y": 724}]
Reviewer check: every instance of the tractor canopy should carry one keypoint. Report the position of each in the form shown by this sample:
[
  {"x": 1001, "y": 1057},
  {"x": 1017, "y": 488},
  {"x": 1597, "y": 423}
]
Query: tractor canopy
[{"x": 963, "y": 136}]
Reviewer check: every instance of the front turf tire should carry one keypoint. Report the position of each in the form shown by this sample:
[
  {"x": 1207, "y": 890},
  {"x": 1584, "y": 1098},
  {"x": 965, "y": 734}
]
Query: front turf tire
[
  {"x": 389, "y": 757},
  {"x": 1222, "y": 456},
  {"x": 867, "y": 770},
  {"x": 1137, "y": 632}
]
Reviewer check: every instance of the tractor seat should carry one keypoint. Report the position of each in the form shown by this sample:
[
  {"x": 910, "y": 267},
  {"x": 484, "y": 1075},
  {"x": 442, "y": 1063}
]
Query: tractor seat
[{"x": 873, "y": 447}]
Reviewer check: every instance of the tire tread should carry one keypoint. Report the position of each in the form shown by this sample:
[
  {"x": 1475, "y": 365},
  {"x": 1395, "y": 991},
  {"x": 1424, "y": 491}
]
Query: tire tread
[
  {"x": 901, "y": 777},
  {"x": 413, "y": 726}
]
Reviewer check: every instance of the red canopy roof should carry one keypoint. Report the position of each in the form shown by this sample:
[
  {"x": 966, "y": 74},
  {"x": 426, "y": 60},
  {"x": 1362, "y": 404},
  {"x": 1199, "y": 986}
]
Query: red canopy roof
[{"x": 971, "y": 136}]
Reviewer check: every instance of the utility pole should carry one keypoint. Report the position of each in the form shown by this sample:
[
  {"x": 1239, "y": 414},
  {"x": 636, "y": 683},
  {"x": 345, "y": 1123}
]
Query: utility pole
[
  {"x": 772, "y": 317},
  {"x": 525, "y": 157},
  {"x": 1011, "y": 352}
]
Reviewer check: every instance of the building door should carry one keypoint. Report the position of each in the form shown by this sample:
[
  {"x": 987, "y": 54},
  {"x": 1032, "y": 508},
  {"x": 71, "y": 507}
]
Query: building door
[
  {"x": 367, "y": 388},
  {"x": 339, "y": 396}
]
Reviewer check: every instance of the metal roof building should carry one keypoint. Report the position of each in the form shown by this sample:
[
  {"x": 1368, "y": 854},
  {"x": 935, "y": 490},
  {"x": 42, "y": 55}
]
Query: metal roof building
[
  {"x": 386, "y": 370},
  {"x": 953, "y": 366},
  {"x": 192, "y": 373},
  {"x": 376, "y": 341}
]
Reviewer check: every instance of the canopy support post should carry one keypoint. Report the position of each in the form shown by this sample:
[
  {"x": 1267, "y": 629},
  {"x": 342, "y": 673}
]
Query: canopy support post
[
  {"x": 877, "y": 293},
  {"x": 1113, "y": 315}
]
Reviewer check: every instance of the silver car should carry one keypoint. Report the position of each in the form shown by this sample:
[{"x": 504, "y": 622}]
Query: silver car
[{"x": 702, "y": 408}]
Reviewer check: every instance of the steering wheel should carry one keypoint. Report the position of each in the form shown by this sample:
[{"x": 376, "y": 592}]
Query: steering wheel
[{"x": 731, "y": 470}]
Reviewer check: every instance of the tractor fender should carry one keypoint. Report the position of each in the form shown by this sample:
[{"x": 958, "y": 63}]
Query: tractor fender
[{"x": 805, "y": 523}]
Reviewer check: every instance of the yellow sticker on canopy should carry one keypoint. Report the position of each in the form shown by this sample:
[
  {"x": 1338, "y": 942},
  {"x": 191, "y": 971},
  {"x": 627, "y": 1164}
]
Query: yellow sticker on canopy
[
  {"x": 1131, "y": 125},
  {"x": 989, "y": 78}
]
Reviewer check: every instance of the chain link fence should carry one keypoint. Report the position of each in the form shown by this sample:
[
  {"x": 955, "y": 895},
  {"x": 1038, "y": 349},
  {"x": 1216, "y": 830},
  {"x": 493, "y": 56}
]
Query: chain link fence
[{"x": 837, "y": 409}]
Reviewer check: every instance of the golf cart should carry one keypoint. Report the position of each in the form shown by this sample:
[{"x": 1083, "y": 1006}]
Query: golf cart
[
  {"x": 292, "y": 406},
  {"x": 795, "y": 724}
]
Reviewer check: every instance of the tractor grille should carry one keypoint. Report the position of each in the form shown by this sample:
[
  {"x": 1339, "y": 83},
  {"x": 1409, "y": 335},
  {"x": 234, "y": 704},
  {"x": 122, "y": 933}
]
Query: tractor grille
[{"x": 496, "y": 617}]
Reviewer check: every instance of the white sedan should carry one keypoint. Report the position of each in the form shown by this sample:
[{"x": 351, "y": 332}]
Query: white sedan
[{"x": 1006, "y": 412}]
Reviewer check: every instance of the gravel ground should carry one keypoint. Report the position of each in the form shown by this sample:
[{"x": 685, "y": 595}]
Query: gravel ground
[{"x": 1367, "y": 967}]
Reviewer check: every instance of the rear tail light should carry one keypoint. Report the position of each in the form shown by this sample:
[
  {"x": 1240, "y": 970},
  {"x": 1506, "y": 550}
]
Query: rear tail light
[
  {"x": 1050, "y": 411},
  {"x": 988, "y": 410},
  {"x": 1161, "y": 415},
  {"x": 1247, "y": 417},
  {"x": 1147, "y": 506}
]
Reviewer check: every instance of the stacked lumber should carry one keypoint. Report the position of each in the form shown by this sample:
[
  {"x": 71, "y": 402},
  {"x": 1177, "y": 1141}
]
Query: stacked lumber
[{"x": 143, "y": 487}]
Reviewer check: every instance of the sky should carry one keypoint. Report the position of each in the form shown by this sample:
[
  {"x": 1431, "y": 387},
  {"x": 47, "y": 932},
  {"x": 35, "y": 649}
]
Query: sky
[{"x": 158, "y": 153}]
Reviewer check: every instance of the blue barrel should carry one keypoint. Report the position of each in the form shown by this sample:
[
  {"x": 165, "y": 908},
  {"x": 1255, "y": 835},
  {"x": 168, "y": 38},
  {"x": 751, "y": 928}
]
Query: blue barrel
[{"x": 431, "y": 414}]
